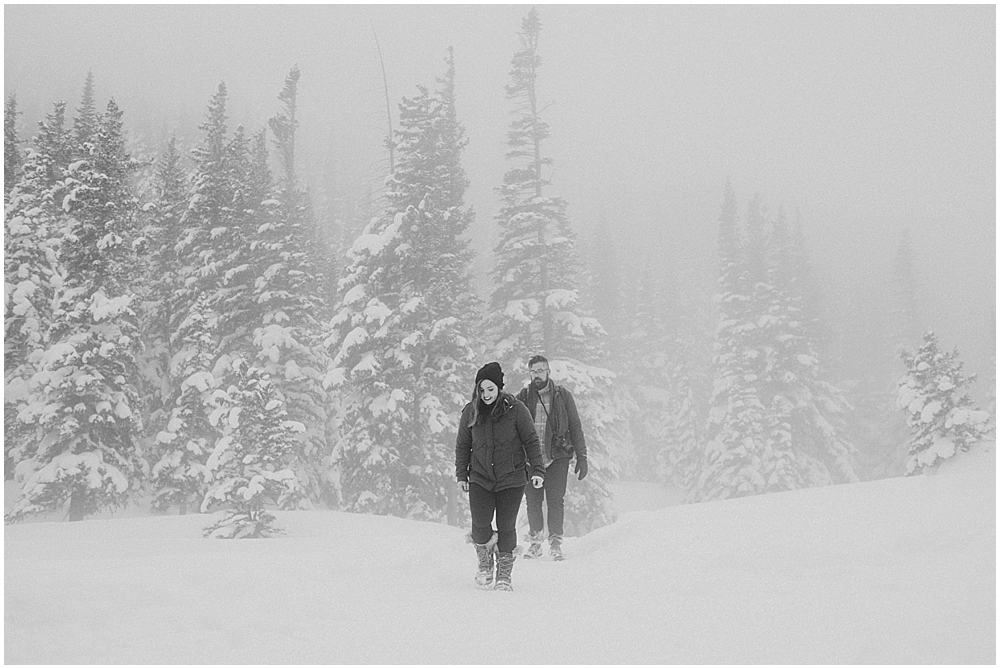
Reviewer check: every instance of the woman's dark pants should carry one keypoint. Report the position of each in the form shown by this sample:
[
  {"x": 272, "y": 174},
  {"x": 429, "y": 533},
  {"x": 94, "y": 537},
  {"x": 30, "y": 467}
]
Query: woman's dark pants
[
  {"x": 506, "y": 503},
  {"x": 552, "y": 493}
]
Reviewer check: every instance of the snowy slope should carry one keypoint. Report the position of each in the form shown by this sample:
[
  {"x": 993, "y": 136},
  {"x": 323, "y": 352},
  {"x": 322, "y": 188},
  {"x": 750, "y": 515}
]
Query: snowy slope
[{"x": 893, "y": 571}]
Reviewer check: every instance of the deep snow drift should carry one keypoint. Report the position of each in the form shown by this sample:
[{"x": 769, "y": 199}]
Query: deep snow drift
[{"x": 893, "y": 571}]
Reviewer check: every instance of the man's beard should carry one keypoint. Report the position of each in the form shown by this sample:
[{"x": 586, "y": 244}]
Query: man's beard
[{"x": 539, "y": 383}]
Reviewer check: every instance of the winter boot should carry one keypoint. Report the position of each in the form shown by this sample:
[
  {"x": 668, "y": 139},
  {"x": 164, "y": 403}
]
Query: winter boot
[
  {"x": 484, "y": 577},
  {"x": 505, "y": 563},
  {"x": 534, "y": 545},
  {"x": 555, "y": 547}
]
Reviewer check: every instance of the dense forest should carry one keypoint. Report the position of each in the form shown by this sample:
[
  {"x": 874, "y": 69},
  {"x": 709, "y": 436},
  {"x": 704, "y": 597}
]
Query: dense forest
[{"x": 202, "y": 332}]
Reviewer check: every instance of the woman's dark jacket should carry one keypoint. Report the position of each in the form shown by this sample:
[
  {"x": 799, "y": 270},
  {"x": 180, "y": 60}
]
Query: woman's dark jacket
[
  {"x": 493, "y": 452},
  {"x": 563, "y": 432}
]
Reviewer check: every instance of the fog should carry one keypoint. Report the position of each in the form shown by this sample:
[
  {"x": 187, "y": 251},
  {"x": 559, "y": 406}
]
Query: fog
[{"x": 866, "y": 119}]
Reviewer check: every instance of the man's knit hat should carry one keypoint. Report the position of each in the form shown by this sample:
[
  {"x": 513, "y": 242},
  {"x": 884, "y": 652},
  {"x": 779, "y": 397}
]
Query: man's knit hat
[{"x": 491, "y": 371}]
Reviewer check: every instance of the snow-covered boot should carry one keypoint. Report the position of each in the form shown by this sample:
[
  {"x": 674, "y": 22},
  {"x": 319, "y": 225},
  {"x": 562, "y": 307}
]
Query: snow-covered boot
[
  {"x": 484, "y": 577},
  {"x": 555, "y": 547},
  {"x": 505, "y": 563},
  {"x": 534, "y": 545}
]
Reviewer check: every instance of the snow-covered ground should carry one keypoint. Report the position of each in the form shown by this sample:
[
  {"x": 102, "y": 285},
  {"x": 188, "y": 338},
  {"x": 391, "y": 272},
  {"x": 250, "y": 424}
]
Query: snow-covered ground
[{"x": 892, "y": 571}]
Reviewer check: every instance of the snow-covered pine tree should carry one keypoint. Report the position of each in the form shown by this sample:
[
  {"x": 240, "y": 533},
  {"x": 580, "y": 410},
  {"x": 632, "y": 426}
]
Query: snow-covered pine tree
[
  {"x": 12, "y": 157},
  {"x": 250, "y": 460},
  {"x": 213, "y": 225},
  {"x": 782, "y": 424},
  {"x": 183, "y": 245},
  {"x": 33, "y": 227},
  {"x": 696, "y": 328},
  {"x": 178, "y": 351},
  {"x": 809, "y": 409},
  {"x": 295, "y": 203},
  {"x": 535, "y": 304},
  {"x": 401, "y": 339},
  {"x": 286, "y": 296},
  {"x": 679, "y": 461},
  {"x": 55, "y": 143},
  {"x": 247, "y": 178},
  {"x": 163, "y": 276},
  {"x": 182, "y": 433},
  {"x": 940, "y": 413},
  {"x": 661, "y": 365},
  {"x": 284, "y": 126},
  {"x": 750, "y": 449},
  {"x": 85, "y": 123},
  {"x": 83, "y": 404}
]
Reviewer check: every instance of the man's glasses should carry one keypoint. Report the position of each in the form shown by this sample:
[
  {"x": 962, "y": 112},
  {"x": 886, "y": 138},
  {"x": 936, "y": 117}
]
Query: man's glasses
[{"x": 538, "y": 372}]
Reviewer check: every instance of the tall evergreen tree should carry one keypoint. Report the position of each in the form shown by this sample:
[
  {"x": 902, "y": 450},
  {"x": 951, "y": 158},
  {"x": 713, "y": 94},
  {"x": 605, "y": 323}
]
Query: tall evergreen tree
[
  {"x": 83, "y": 403},
  {"x": 55, "y": 142},
  {"x": 776, "y": 422},
  {"x": 184, "y": 317},
  {"x": 940, "y": 413},
  {"x": 12, "y": 157},
  {"x": 85, "y": 123},
  {"x": 535, "y": 305},
  {"x": 690, "y": 383},
  {"x": 232, "y": 268},
  {"x": 402, "y": 336},
  {"x": 741, "y": 459},
  {"x": 33, "y": 227},
  {"x": 178, "y": 350},
  {"x": 660, "y": 362},
  {"x": 286, "y": 295},
  {"x": 284, "y": 126},
  {"x": 810, "y": 409}
]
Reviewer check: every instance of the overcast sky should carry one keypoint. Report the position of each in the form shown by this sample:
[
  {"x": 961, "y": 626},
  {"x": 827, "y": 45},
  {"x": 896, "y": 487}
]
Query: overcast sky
[{"x": 867, "y": 119}]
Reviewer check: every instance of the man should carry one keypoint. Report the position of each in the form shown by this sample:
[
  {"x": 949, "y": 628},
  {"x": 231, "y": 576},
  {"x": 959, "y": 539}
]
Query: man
[{"x": 558, "y": 426}]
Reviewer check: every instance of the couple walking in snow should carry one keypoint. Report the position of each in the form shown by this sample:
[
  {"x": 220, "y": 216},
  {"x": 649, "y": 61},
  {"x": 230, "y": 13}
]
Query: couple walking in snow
[{"x": 500, "y": 457}]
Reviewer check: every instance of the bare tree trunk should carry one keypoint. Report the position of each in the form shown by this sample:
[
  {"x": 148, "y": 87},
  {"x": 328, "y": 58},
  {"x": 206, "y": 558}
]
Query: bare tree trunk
[
  {"x": 76, "y": 507},
  {"x": 390, "y": 144}
]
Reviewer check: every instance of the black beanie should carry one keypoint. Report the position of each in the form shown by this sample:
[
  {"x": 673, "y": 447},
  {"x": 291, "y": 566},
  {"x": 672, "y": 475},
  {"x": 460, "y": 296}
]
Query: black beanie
[{"x": 491, "y": 371}]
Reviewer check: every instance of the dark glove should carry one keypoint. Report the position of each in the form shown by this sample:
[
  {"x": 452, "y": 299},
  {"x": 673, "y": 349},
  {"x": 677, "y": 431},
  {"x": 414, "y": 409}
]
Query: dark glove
[{"x": 580, "y": 468}]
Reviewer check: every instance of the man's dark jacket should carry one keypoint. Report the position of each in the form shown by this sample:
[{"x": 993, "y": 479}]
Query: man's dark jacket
[
  {"x": 563, "y": 432},
  {"x": 493, "y": 452}
]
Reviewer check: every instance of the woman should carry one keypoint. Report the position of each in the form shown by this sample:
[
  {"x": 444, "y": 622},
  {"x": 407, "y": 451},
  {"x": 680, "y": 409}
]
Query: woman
[{"x": 496, "y": 438}]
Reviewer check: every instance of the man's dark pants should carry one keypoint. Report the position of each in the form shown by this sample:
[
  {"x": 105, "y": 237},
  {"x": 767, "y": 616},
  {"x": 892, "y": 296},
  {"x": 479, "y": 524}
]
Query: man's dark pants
[{"x": 552, "y": 493}]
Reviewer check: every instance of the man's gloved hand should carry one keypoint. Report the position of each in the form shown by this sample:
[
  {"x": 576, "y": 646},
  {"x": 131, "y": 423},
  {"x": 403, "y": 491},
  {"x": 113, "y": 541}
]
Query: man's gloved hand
[
  {"x": 537, "y": 481},
  {"x": 580, "y": 468},
  {"x": 464, "y": 485}
]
